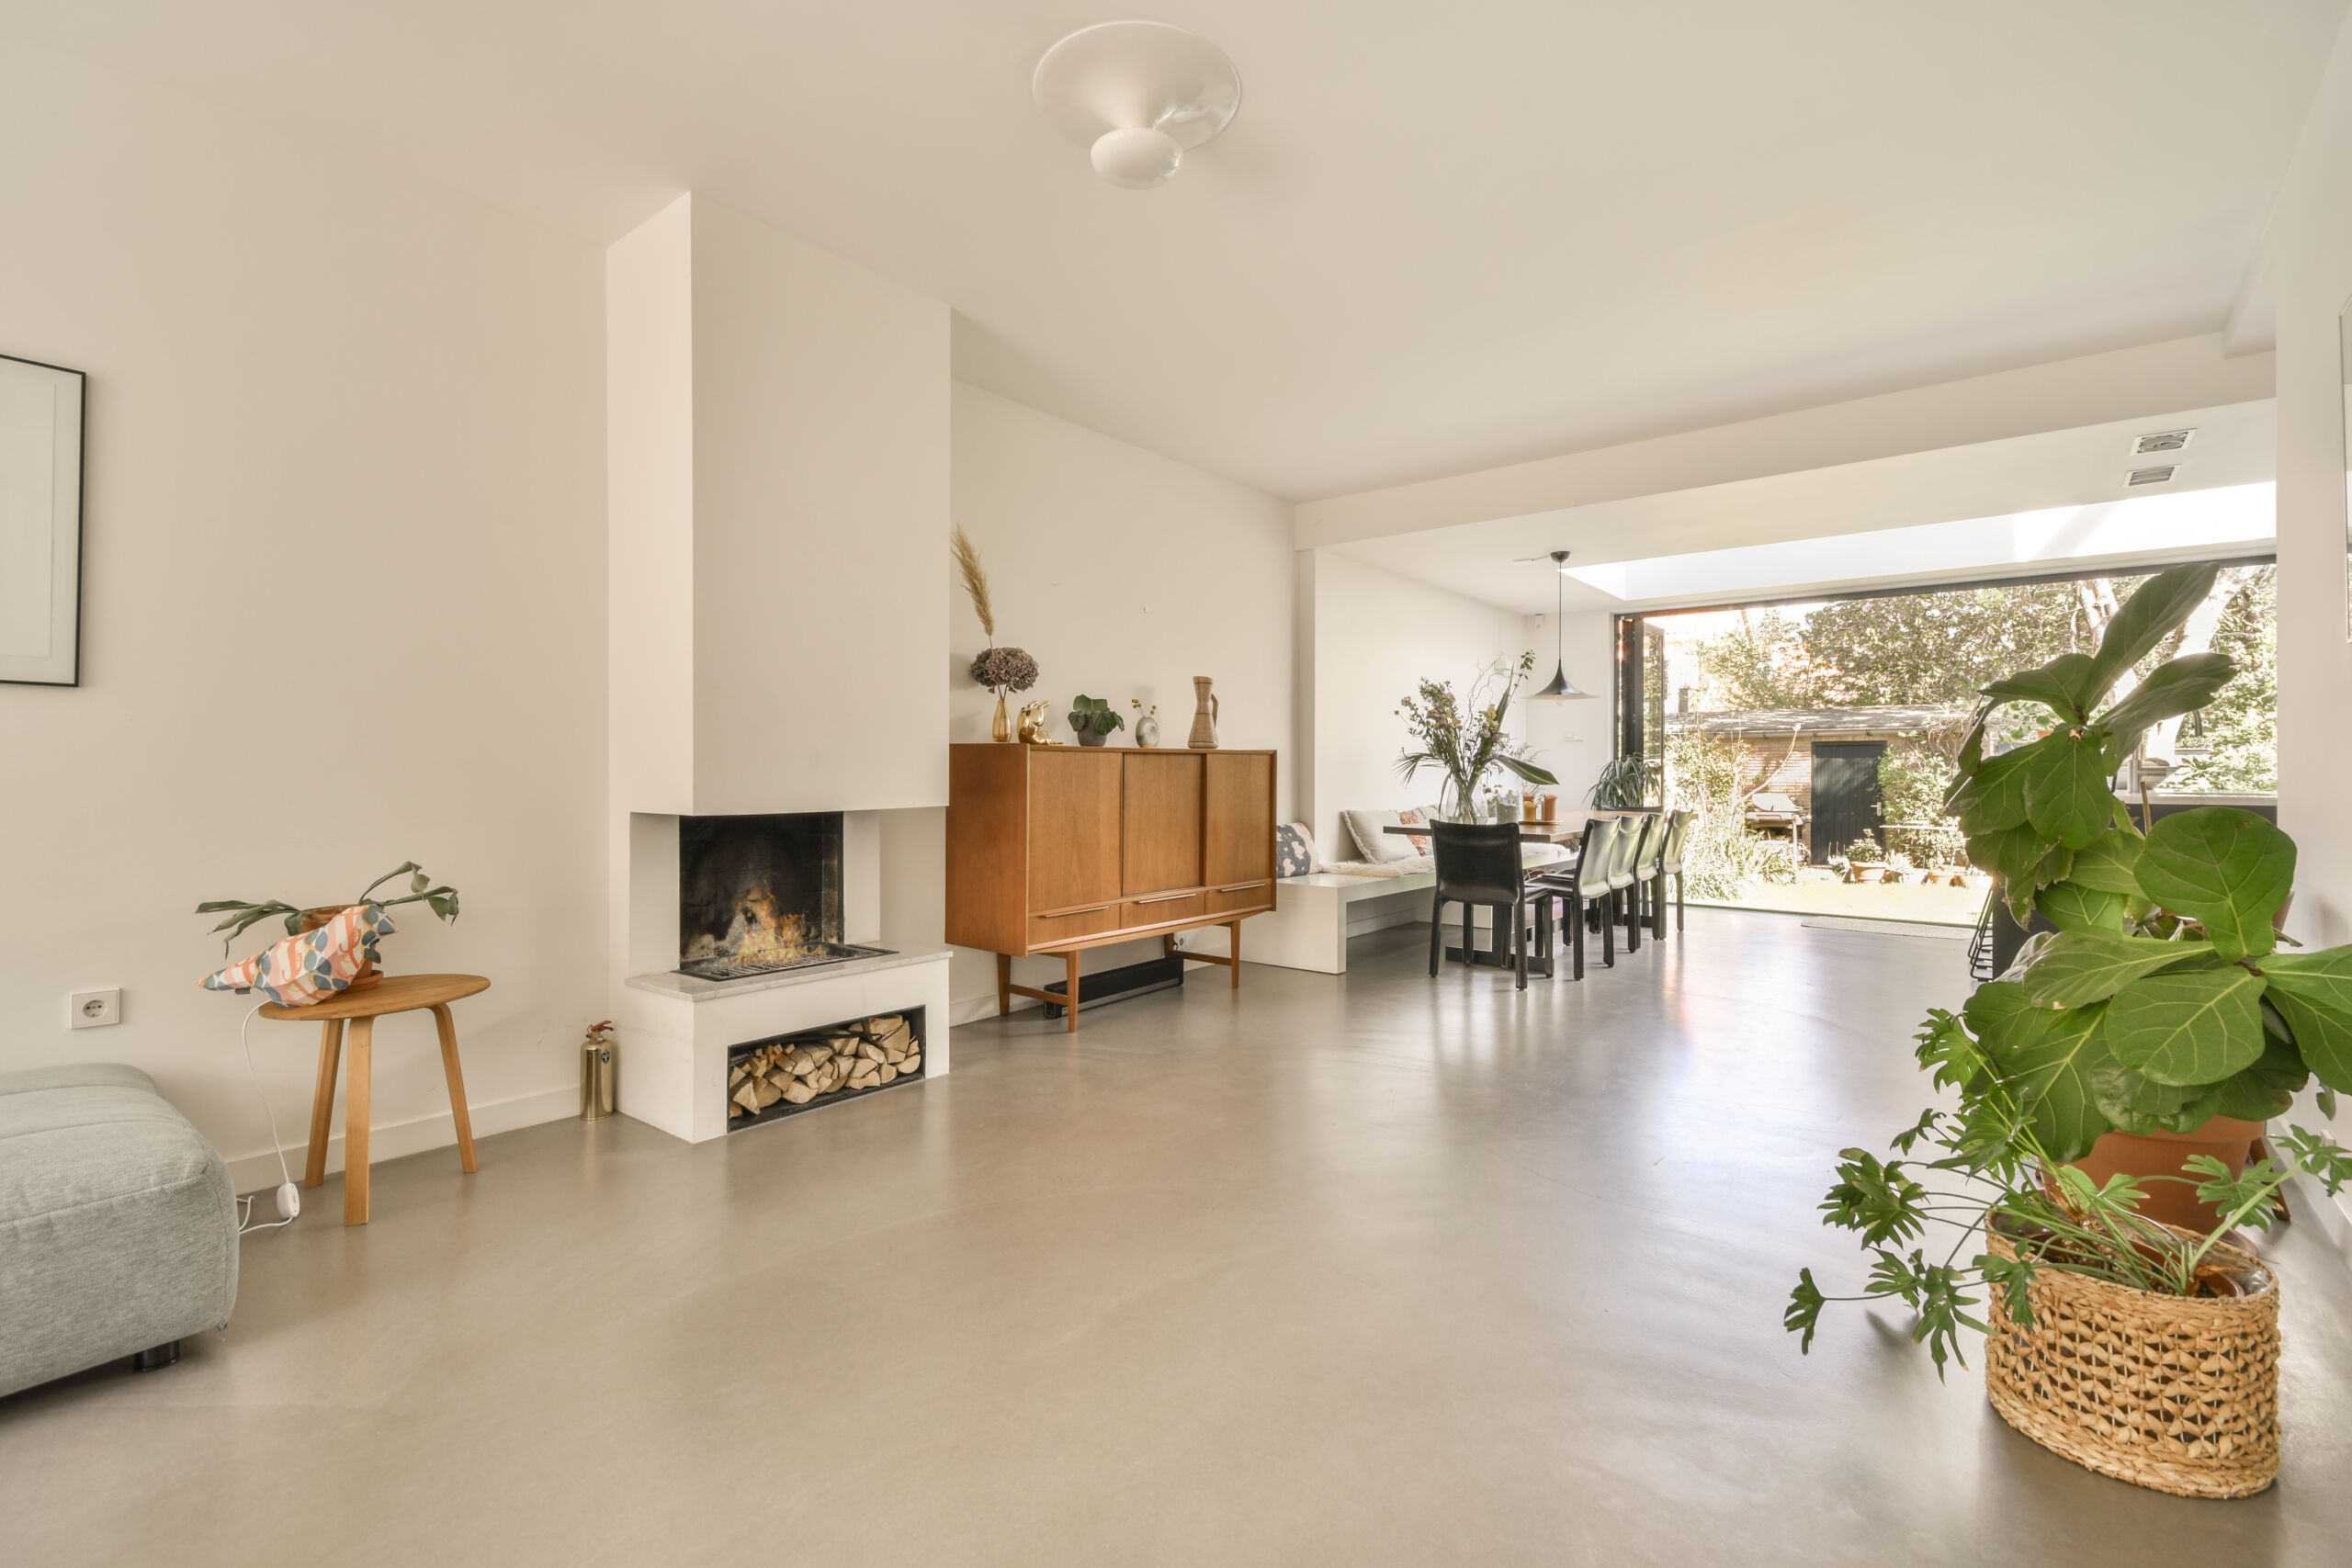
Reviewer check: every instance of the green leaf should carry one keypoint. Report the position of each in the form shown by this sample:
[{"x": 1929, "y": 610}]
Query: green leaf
[
  {"x": 2137, "y": 1103},
  {"x": 2155, "y": 609},
  {"x": 1876, "y": 1198},
  {"x": 2192, "y": 1028},
  {"x": 2312, "y": 992},
  {"x": 2107, "y": 862},
  {"x": 2184, "y": 685},
  {"x": 2058, "y": 686},
  {"x": 2079, "y": 967},
  {"x": 2228, "y": 870},
  {"x": 1996, "y": 795},
  {"x": 2013, "y": 854},
  {"x": 2067, "y": 792},
  {"x": 2263, "y": 1090},
  {"x": 2071, "y": 907},
  {"x": 2051, "y": 1077},
  {"x": 2011, "y": 1275},
  {"x": 1527, "y": 770},
  {"x": 1803, "y": 1312}
]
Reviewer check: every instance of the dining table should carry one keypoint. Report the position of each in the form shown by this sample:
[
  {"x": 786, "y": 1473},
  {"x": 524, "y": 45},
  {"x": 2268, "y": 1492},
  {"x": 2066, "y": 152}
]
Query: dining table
[{"x": 1567, "y": 835}]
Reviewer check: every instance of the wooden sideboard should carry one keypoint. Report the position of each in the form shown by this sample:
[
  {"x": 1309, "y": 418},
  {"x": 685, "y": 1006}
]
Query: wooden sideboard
[{"x": 1057, "y": 849}]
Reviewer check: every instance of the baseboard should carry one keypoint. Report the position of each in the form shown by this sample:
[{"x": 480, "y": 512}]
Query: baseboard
[
  {"x": 972, "y": 1009},
  {"x": 259, "y": 1173}
]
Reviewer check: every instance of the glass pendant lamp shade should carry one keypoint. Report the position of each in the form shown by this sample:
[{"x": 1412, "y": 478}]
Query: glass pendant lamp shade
[{"x": 1559, "y": 689}]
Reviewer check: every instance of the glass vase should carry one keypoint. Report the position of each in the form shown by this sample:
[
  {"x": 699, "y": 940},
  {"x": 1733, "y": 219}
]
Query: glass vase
[{"x": 1002, "y": 731}]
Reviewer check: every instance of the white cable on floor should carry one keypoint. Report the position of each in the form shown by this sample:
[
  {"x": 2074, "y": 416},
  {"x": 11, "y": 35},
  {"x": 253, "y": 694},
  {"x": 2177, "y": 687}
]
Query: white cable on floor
[{"x": 244, "y": 1213}]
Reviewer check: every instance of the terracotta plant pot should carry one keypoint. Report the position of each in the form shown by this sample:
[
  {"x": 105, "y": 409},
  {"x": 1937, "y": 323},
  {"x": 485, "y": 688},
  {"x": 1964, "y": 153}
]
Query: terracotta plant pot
[
  {"x": 1870, "y": 872},
  {"x": 2164, "y": 1154},
  {"x": 368, "y": 973}
]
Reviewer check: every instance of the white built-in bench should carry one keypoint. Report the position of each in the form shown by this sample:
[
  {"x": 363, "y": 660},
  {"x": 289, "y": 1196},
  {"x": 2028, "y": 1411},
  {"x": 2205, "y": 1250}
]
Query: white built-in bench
[{"x": 1315, "y": 915}]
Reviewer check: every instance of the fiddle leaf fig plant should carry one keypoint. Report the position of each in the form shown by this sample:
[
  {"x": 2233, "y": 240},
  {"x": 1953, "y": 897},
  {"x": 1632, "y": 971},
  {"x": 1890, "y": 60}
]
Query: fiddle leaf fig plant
[{"x": 2154, "y": 1000}]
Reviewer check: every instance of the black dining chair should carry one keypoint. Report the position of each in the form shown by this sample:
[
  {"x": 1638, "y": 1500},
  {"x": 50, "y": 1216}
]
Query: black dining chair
[
  {"x": 1478, "y": 866},
  {"x": 1580, "y": 886},
  {"x": 1669, "y": 864}
]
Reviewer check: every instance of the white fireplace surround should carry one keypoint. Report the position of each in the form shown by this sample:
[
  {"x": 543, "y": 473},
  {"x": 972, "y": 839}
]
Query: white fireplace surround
[{"x": 676, "y": 1030}]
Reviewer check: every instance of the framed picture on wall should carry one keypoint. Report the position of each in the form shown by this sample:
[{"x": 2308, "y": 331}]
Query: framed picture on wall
[{"x": 40, "y": 523}]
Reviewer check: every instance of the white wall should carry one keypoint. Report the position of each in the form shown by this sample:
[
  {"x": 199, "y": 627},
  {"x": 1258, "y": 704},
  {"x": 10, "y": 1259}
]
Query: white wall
[
  {"x": 2310, "y": 258},
  {"x": 342, "y": 599},
  {"x": 1124, "y": 574},
  {"x": 1376, "y": 635}
]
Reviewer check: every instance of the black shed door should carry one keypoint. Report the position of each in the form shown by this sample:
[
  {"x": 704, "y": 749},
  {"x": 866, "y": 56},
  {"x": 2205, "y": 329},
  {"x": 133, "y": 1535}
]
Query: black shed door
[{"x": 1846, "y": 802}]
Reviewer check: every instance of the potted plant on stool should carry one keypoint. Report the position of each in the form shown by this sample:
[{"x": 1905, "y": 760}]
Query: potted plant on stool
[{"x": 2110, "y": 1085}]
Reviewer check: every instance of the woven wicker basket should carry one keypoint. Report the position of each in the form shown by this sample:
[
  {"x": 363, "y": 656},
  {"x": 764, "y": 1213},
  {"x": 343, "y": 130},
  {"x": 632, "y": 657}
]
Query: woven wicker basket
[{"x": 2178, "y": 1393}]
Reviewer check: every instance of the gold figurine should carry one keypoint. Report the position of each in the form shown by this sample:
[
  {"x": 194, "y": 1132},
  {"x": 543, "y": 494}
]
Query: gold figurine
[{"x": 1032, "y": 723}]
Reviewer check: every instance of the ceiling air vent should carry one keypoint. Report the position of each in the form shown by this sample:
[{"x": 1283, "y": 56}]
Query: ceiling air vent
[
  {"x": 2152, "y": 476},
  {"x": 2162, "y": 441}
]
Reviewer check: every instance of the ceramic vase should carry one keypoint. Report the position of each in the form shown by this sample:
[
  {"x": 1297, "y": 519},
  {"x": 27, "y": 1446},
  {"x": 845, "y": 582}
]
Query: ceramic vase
[
  {"x": 1147, "y": 732},
  {"x": 1203, "y": 736}
]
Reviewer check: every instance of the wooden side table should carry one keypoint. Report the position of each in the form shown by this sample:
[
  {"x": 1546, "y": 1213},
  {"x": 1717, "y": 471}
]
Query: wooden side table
[{"x": 361, "y": 1009}]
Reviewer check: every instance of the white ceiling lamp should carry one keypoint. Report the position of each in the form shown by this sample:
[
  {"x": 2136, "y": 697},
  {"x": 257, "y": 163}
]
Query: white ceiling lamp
[
  {"x": 1559, "y": 690},
  {"x": 1138, "y": 94}
]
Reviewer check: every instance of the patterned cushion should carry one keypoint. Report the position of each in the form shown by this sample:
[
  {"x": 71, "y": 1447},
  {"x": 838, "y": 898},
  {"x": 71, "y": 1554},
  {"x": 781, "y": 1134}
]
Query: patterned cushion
[
  {"x": 302, "y": 969},
  {"x": 1420, "y": 814},
  {"x": 1371, "y": 844},
  {"x": 1293, "y": 850}
]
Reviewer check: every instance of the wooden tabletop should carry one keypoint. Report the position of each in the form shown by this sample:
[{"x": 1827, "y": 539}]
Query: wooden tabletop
[
  {"x": 1529, "y": 832},
  {"x": 395, "y": 993}
]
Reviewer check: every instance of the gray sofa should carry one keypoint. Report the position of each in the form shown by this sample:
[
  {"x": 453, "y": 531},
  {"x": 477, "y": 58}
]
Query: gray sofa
[{"x": 117, "y": 1225}]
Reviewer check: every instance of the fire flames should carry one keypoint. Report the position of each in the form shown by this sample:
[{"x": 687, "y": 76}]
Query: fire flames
[{"x": 769, "y": 937}]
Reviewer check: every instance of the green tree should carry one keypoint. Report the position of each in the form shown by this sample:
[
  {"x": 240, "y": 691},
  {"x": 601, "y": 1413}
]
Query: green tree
[
  {"x": 1942, "y": 648},
  {"x": 1758, "y": 664},
  {"x": 2241, "y": 727}
]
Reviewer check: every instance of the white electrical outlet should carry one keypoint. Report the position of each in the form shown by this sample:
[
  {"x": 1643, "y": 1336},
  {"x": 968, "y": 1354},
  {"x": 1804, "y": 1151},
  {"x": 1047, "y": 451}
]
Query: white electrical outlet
[{"x": 96, "y": 1010}]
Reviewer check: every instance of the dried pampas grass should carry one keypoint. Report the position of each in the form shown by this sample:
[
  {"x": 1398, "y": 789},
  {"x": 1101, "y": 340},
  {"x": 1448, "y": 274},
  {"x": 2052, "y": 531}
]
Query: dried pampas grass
[{"x": 976, "y": 578}]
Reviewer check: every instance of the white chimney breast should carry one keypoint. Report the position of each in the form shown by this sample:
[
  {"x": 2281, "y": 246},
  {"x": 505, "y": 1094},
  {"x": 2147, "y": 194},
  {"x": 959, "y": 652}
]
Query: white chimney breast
[{"x": 779, "y": 473}]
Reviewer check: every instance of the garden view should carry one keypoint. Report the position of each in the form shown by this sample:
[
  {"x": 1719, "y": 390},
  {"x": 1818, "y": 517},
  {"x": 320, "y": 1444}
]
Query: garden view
[{"x": 1815, "y": 742}]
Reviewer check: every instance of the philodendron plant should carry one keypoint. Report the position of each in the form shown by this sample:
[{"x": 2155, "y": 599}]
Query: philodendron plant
[
  {"x": 1093, "y": 715},
  {"x": 2158, "y": 1002}
]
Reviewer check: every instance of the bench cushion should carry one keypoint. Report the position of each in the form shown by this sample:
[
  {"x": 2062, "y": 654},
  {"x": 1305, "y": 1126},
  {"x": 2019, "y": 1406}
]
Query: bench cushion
[{"x": 117, "y": 1220}]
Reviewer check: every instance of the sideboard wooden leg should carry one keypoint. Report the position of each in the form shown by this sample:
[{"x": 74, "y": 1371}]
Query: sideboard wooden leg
[
  {"x": 1003, "y": 984},
  {"x": 1073, "y": 991},
  {"x": 1234, "y": 927}
]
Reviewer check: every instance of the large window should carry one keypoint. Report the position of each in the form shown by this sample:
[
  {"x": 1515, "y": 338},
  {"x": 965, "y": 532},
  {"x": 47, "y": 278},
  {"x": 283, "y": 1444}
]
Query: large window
[{"x": 1814, "y": 740}]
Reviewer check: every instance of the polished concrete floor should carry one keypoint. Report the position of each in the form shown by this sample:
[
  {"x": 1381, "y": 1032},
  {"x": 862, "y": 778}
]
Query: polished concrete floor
[{"x": 1372, "y": 1270}]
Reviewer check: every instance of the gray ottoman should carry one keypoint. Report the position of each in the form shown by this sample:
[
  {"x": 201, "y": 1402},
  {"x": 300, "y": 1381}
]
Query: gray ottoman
[{"x": 118, "y": 1228}]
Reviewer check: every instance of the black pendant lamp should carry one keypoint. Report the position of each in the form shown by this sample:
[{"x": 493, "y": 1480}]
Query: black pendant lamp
[{"x": 1559, "y": 690}]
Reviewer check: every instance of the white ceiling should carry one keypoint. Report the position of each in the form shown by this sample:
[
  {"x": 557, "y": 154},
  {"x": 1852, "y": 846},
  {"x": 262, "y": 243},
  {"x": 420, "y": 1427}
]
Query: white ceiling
[
  {"x": 1725, "y": 532},
  {"x": 1436, "y": 238}
]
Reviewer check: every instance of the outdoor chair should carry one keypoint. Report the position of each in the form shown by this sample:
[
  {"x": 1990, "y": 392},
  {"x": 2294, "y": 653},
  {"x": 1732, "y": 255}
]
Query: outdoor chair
[{"x": 1478, "y": 866}]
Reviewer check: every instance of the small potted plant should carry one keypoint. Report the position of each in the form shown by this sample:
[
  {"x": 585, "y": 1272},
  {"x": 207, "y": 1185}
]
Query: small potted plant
[
  {"x": 1865, "y": 862},
  {"x": 1094, "y": 718},
  {"x": 240, "y": 913}
]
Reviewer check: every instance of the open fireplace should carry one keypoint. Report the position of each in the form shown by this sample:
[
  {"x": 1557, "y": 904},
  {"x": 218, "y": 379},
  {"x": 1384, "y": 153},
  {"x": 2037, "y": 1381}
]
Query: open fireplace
[{"x": 757, "y": 895}]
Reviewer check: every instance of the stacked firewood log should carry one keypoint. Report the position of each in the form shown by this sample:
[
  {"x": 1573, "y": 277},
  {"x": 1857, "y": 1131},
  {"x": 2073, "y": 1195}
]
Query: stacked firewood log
[{"x": 834, "y": 1061}]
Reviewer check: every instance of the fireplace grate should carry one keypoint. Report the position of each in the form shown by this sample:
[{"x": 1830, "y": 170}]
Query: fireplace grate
[{"x": 817, "y": 955}]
